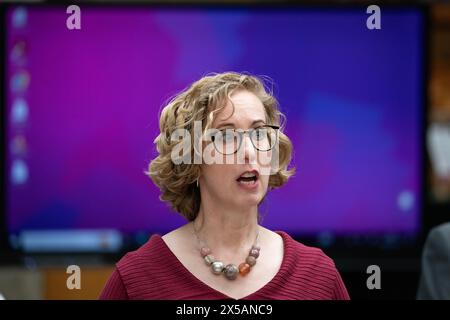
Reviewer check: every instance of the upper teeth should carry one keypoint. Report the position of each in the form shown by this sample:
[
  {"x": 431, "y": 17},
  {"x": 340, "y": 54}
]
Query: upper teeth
[{"x": 248, "y": 175}]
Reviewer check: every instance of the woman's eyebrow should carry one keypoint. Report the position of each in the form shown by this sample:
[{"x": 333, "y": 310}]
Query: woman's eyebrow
[
  {"x": 257, "y": 122},
  {"x": 233, "y": 125}
]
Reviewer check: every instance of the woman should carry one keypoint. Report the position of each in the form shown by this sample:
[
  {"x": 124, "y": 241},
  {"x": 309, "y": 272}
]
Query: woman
[{"x": 223, "y": 252}]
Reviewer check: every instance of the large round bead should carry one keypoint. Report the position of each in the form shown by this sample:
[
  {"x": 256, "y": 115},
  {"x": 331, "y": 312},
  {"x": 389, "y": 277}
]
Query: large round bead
[
  {"x": 244, "y": 268},
  {"x": 251, "y": 260},
  {"x": 231, "y": 271},
  {"x": 209, "y": 259},
  {"x": 204, "y": 251},
  {"x": 217, "y": 267},
  {"x": 254, "y": 253}
]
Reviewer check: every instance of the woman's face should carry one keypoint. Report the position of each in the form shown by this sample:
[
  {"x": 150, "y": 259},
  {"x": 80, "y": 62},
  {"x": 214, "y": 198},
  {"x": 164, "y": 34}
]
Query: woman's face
[{"x": 242, "y": 183}]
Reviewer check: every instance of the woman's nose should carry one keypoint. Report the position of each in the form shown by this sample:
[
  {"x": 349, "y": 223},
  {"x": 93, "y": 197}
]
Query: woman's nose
[{"x": 249, "y": 150}]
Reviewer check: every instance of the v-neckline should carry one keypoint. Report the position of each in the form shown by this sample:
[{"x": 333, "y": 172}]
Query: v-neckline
[{"x": 276, "y": 279}]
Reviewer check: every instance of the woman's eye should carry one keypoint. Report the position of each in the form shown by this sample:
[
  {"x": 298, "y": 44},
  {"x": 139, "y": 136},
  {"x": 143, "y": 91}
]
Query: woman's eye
[
  {"x": 228, "y": 136},
  {"x": 260, "y": 134}
]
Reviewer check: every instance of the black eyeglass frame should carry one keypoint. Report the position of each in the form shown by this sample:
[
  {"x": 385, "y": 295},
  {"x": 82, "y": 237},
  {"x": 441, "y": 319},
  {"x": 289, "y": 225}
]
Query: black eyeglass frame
[{"x": 249, "y": 132}]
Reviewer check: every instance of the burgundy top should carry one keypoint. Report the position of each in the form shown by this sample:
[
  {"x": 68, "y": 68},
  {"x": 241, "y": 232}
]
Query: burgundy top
[{"x": 154, "y": 272}]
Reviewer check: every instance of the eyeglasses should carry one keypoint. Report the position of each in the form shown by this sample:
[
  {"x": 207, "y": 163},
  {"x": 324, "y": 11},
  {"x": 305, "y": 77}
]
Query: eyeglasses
[{"x": 229, "y": 141}]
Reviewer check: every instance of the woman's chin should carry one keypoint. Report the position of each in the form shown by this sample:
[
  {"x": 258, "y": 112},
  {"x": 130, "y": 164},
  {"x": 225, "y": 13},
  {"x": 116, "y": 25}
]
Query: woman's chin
[{"x": 248, "y": 200}]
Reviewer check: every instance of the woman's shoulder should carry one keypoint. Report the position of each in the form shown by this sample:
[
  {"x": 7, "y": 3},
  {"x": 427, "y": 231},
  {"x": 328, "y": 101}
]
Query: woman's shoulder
[
  {"x": 134, "y": 270},
  {"x": 304, "y": 256},
  {"x": 149, "y": 253},
  {"x": 311, "y": 271}
]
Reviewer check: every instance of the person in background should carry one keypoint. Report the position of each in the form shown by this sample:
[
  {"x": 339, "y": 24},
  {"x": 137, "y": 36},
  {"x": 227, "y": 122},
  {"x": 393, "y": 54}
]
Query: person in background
[{"x": 435, "y": 278}]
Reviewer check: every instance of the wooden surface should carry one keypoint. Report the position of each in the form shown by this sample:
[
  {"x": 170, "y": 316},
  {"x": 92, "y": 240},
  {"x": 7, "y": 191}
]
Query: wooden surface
[{"x": 92, "y": 282}]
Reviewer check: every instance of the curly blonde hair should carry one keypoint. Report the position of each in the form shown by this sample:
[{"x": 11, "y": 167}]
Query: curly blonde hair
[{"x": 202, "y": 100}]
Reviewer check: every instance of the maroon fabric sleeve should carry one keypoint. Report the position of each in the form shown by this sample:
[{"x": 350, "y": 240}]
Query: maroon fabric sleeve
[{"x": 114, "y": 288}]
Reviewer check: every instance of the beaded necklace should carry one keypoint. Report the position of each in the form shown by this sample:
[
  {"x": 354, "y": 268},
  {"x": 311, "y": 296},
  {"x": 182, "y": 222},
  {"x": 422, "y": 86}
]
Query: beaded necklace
[{"x": 230, "y": 270}]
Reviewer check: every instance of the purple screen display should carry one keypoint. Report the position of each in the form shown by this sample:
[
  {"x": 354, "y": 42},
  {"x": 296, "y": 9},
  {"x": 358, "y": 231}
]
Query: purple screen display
[{"x": 82, "y": 108}]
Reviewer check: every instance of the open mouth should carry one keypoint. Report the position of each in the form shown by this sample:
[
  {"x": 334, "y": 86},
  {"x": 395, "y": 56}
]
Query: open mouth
[{"x": 248, "y": 177}]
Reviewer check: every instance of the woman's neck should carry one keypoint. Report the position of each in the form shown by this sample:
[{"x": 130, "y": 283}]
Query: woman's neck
[{"x": 229, "y": 233}]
